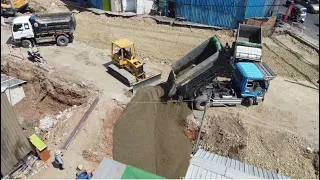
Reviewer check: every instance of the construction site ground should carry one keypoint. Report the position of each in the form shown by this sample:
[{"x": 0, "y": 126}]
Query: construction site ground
[{"x": 280, "y": 134}]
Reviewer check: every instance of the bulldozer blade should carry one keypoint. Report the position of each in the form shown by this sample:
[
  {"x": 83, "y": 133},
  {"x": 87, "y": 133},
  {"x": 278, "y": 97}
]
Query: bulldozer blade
[
  {"x": 150, "y": 81},
  {"x": 153, "y": 77}
]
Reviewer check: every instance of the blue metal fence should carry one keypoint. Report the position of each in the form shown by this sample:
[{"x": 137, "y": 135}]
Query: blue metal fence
[
  {"x": 222, "y": 13},
  {"x": 96, "y": 3},
  {"x": 259, "y": 8}
]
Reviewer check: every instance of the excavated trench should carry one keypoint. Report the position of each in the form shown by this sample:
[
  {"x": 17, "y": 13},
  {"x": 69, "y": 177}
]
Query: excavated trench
[
  {"x": 149, "y": 135},
  {"x": 45, "y": 95}
]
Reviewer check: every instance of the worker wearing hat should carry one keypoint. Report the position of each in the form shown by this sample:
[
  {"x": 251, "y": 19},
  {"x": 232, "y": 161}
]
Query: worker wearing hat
[{"x": 58, "y": 159}]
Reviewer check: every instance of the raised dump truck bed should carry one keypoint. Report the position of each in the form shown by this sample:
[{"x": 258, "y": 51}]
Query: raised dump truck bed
[
  {"x": 248, "y": 45},
  {"x": 196, "y": 69}
]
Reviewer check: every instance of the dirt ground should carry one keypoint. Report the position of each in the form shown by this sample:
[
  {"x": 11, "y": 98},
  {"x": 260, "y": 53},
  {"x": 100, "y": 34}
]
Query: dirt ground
[
  {"x": 273, "y": 135},
  {"x": 154, "y": 141}
]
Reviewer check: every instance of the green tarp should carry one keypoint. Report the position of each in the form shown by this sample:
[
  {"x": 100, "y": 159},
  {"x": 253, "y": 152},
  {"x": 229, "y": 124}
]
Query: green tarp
[{"x": 134, "y": 173}]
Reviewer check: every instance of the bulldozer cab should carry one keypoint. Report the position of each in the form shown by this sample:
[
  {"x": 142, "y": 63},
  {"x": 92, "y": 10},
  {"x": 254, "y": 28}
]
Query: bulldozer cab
[{"x": 123, "y": 50}]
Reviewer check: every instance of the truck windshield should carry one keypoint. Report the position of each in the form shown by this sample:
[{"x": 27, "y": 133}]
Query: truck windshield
[{"x": 17, "y": 27}]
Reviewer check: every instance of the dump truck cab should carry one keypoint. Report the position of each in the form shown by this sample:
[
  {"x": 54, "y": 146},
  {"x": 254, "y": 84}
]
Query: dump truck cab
[
  {"x": 124, "y": 55},
  {"x": 249, "y": 82},
  {"x": 46, "y": 27},
  {"x": 22, "y": 28}
]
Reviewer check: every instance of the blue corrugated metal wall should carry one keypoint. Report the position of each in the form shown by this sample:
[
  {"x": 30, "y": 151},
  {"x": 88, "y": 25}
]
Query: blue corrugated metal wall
[
  {"x": 222, "y": 13},
  {"x": 259, "y": 8},
  {"x": 95, "y": 3}
]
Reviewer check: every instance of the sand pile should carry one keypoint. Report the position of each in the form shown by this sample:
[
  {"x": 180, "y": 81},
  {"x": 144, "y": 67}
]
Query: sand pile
[{"x": 150, "y": 135}]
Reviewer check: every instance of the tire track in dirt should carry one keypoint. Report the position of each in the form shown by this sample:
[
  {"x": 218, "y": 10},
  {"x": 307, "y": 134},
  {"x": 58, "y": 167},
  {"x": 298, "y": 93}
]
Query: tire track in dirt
[{"x": 291, "y": 66}]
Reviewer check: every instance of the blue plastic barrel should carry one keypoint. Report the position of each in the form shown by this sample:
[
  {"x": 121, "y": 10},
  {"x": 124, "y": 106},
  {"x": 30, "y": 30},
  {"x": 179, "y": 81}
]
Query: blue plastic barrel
[{"x": 83, "y": 175}]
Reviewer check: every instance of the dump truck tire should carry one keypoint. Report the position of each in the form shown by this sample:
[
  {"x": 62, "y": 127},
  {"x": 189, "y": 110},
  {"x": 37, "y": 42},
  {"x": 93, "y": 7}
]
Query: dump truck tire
[
  {"x": 26, "y": 43},
  {"x": 62, "y": 41},
  {"x": 201, "y": 102},
  {"x": 247, "y": 102}
]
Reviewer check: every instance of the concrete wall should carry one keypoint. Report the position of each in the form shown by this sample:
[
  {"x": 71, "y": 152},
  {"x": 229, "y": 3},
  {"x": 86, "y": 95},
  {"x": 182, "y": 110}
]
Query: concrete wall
[{"x": 15, "y": 94}]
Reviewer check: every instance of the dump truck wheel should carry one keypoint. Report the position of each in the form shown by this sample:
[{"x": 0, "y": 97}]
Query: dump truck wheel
[
  {"x": 62, "y": 41},
  {"x": 201, "y": 102},
  {"x": 247, "y": 102},
  {"x": 26, "y": 43}
]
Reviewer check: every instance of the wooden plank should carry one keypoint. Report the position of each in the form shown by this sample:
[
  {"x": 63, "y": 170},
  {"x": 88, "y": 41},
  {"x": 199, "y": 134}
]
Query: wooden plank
[{"x": 80, "y": 124}]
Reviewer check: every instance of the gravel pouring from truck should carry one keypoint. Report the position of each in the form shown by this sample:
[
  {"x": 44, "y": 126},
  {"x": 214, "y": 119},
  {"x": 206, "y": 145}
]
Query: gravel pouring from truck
[{"x": 47, "y": 27}]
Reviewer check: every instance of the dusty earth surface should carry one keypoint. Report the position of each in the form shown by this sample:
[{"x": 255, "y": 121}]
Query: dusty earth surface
[{"x": 280, "y": 134}]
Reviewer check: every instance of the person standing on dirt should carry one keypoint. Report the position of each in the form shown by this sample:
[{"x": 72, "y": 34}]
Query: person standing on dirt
[{"x": 58, "y": 159}]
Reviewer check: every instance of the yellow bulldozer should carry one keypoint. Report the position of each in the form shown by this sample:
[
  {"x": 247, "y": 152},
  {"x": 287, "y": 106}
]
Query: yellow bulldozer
[
  {"x": 127, "y": 68},
  {"x": 11, "y": 7}
]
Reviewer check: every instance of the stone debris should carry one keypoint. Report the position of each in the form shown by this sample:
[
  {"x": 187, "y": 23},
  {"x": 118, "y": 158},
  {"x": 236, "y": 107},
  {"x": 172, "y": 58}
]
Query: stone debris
[{"x": 46, "y": 123}]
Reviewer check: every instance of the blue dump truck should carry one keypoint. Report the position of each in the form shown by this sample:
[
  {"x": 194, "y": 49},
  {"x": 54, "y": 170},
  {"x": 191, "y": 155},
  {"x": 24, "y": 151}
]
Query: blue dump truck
[{"x": 205, "y": 75}]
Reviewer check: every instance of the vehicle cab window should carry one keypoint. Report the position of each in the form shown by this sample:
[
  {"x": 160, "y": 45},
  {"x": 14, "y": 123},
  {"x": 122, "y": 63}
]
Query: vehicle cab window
[{"x": 17, "y": 27}]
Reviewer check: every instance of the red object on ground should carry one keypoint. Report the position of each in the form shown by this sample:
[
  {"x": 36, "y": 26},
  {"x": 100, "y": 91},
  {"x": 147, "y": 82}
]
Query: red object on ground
[{"x": 288, "y": 12}]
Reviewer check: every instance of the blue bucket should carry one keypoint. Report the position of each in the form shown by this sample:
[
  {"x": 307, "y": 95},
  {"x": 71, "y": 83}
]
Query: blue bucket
[{"x": 83, "y": 175}]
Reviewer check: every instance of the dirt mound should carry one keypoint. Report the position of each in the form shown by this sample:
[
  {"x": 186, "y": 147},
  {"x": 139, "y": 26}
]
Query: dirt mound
[
  {"x": 229, "y": 134},
  {"x": 225, "y": 136},
  {"x": 149, "y": 135}
]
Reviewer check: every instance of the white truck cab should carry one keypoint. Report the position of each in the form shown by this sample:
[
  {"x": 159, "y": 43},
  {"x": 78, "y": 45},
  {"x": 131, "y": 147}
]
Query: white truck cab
[
  {"x": 39, "y": 28},
  {"x": 22, "y": 29}
]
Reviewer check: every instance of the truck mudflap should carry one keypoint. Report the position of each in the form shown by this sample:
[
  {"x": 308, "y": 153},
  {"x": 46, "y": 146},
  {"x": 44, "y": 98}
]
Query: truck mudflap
[
  {"x": 266, "y": 71},
  {"x": 153, "y": 77}
]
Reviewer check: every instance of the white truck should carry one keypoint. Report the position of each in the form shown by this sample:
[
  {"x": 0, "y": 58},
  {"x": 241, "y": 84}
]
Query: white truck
[
  {"x": 39, "y": 28},
  {"x": 248, "y": 45}
]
